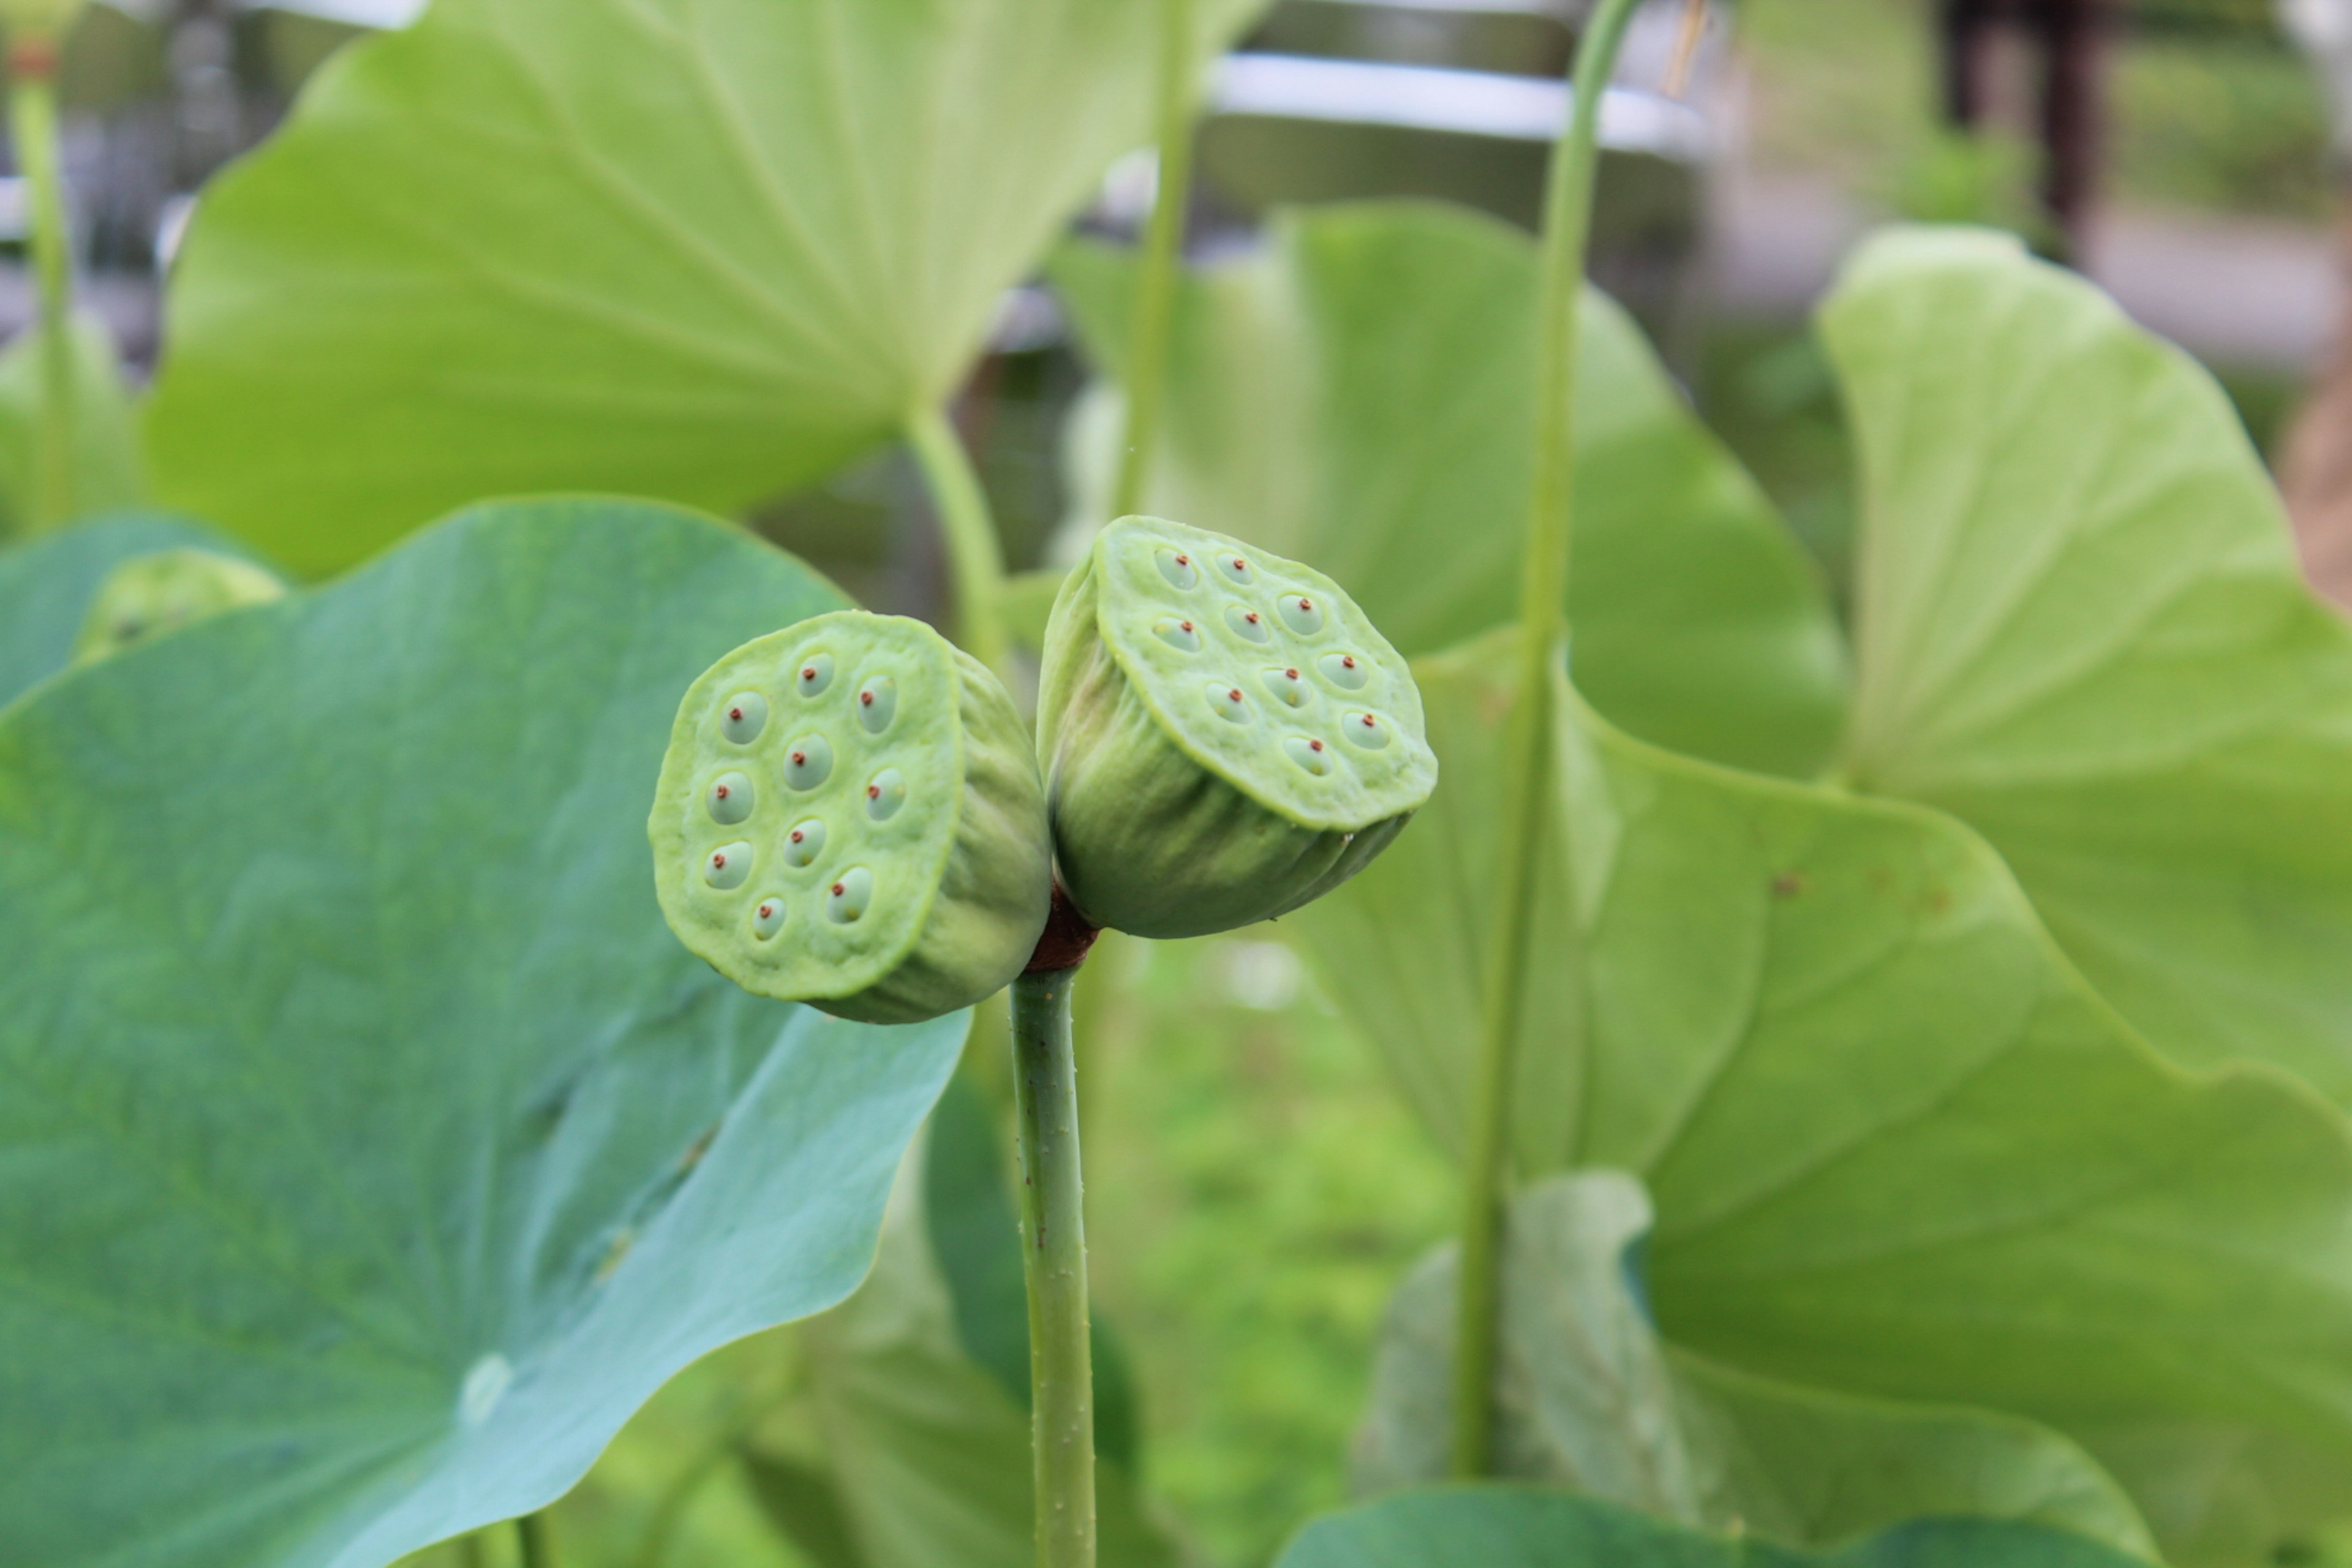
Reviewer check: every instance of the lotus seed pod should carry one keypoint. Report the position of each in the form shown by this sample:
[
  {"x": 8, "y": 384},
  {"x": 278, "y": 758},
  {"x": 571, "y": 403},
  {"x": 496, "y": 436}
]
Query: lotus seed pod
[
  {"x": 150, "y": 596},
  {"x": 1224, "y": 735},
  {"x": 850, "y": 815}
]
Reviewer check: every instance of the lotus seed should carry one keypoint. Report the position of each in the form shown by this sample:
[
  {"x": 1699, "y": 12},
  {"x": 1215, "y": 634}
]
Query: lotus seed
[
  {"x": 1308, "y": 754},
  {"x": 769, "y": 918},
  {"x": 1365, "y": 731},
  {"x": 885, "y": 793},
  {"x": 1301, "y": 614},
  {"x": 745, "y": 715},
  {"x": 728, "y": 866},
  {"x": 1343, "y": 671},
  {"x": 1228, "y": 703},
  {"x": 878, "y": 700},
  {"x": 850, "y": 896},
  {"x": 816, "y": 674},
  {"x": 1180, "y": 633},
  {"x": 1179, "y": 570},
  {"x": 1234, "y": 568},
  {"x": 1286, "y": 685},
  {"x": 805, "y": 843},
  {"x": 809, "y": 763},
  {"x": 1248, "y": 623},
  {"x": 730, "y": 798}
]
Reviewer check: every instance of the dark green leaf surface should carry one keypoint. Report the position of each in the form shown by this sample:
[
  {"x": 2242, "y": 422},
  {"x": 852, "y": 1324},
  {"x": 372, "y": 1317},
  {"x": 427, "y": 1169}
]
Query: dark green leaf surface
[
  {"x": 1898, "y": 1148},
  {"x": 704, "y": 249},
  {"x": 105, "y": 447},
  {"x": 1515, "y": 1527},
  {"x": 369, "y": 1149},
  {"x": 2082, "y": 631},
  {"x": 1591, "y": 1398},
  {"x": 1360, "y": 396},
  {"x": 46, "y": 586}
]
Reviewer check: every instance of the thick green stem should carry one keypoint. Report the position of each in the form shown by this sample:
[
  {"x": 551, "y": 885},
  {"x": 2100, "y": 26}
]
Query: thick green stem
[
  {"x": 33, "y": 112},
  {"x": 1054, "y": 1260},
  {"x": 1527, "y": 739},
  {"x": 1163, "y": 242},
  {"x": 530, "y": 1534},
  {"x": 973, "y": 555}
]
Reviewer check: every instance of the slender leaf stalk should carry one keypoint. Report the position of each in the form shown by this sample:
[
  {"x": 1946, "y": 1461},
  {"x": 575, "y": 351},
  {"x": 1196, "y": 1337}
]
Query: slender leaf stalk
[
  {"x": 974, "y": 557},
  {"x": 1163, "y": 243},
  {"x": 33, "y": 115},
  {"x": 1527, "y": 738},
  {"x": 1053, "y": 1262},
  {"x": 532, "y": 1537}
]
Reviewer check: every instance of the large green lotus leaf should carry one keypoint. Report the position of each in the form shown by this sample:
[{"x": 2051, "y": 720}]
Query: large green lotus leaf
[
  {"x": 105, "y": 471},
  {"x": 2082, "y": 631},
  {"x": 46, "y": 584},
  {"x": 704, "y": 249},
  {"x": 1359, "y": 393},
  {"x": 1594, "y": 1400},
  {"x": 926, "y": 1450},
  {"x": 369, "y": 1149},
  {"x": 1898, "y": 1148},
  {"x": 1530, "y": 1527}
]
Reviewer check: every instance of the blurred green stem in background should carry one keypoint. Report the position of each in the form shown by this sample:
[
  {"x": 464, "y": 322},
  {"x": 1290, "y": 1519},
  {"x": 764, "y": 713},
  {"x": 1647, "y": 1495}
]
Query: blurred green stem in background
[
  {"x": 33, "y": 115},
  {"x": 530, "y": 1534},
  {"x": 1163, "y": 243},
  {"x": 975, "y": 556},
  {"x": 1053, "y": 1262},
  {"x": 1543, "y": 623}
]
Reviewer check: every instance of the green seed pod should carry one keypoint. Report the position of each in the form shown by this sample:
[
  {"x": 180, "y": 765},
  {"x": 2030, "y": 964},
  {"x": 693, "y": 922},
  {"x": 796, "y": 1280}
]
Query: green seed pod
[
  {"x": 1224, "y": 735},
  {"x": 150, "y": 596},
  {"x": 850, "y": 815}
]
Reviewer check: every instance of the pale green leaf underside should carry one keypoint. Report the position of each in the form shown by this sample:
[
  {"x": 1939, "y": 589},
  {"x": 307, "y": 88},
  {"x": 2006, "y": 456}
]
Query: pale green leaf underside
[
  {"x": 2082, "y": 631},
  {"x": 46, "y": 585},
  {"x": 703, "y": 250},
  {"x": 1591, "y": 1398},
  {"x": 105, "y": 472},
  {"x": 1897, "y": 1147},
  {"x": 1359, "y": 395},
  {"x": 344, "y": 1049},
  {"x": 1528, "y": 1526}
]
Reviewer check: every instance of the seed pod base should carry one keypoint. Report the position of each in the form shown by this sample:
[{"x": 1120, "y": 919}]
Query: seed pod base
[
  {"x": 850, "y": 815},
  {"x": 1224, "y": 734}
]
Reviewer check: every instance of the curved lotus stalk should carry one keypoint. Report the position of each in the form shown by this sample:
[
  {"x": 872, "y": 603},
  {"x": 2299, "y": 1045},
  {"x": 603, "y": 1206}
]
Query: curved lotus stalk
[
  {"x": 149, "y": 596},
  {"x": 850, "y": 815},
  {"x": 1224, "y": 734}
]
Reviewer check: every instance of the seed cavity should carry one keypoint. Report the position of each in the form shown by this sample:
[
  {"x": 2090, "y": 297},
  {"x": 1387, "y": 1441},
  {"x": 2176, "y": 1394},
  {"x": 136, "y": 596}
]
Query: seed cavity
[
  {"x": 1237, "y": 568},
  {"x": 1300, "y": 614},
  {"x": 805, "y": 843},
  {"x": 1344, "y": 670},
  {"x": 1248, "y": 623},
  {"x": 768, "y": 916},
  {"x": 730, "y": 798},
  {"x": 1312, "y": 755},
  {"x": 877, "y": 701},
  {"x": 1365, "y": 731},
  {"x": 815, "y": 675},
  {"x": 1286, "y": 687},
  {"x": 726, "y": 867},
  {"x": 1177, "y": 633},
  {"x": 1227, "y": 702},
  {"x": 1177, "y": 568},
  {"x": 808, "y": 763},
  {"x": 885, "y": 792},
  {"x": 742, "y": 716},
  {"x": 847, "y": 899}
]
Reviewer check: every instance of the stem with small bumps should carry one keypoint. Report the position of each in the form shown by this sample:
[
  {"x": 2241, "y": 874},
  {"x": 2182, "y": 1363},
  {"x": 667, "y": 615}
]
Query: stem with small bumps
[
  {"x": 1053, "y": 1263},
  {"x": 1528, "y": 736},
  {"x": 975, "y": 559}
]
